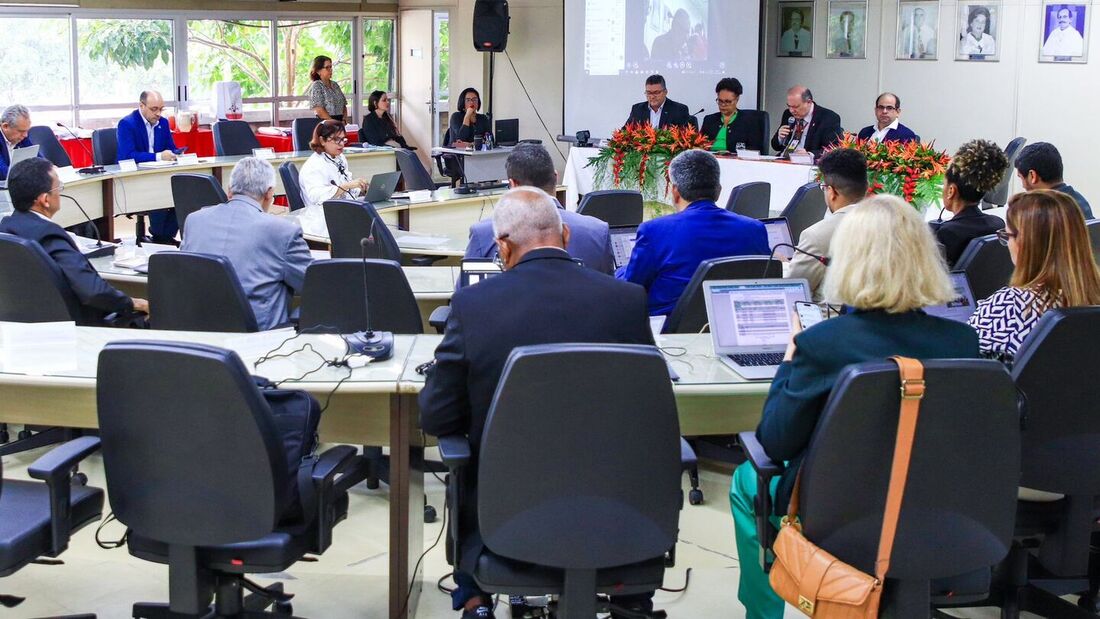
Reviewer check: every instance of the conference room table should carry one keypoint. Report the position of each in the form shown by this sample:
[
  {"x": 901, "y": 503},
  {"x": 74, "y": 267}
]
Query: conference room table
[
  {"x": 375, "y": 405},
  {"x": 199, "y": 142}
]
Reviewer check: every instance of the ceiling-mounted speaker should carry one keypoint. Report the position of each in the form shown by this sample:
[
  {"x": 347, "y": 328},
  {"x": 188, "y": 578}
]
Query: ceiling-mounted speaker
[{"x": 490, "y": 25}]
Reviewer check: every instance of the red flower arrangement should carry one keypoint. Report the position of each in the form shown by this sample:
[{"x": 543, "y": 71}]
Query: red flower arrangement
[
  {"x": 637, "y": 157},
  {"x": 912, "y": 170}
]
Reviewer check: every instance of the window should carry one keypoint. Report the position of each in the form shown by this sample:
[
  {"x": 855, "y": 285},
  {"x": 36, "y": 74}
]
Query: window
[
  {"x": 299, "y": 43},
  {"x": 378, "y": 49},
  {"x": 230, "y": 50},
  {"x": 118, "y": 59},
  {"x": 31, "y": 45}
]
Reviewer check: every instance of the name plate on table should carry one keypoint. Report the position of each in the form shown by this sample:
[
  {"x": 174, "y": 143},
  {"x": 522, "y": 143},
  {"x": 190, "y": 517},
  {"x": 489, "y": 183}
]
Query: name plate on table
[
  {"x": 263, "y": 153},
  {"x": 38, "y": 347},
  {"x": 189, "y": 159},
  {"x": 802, "y": 158},
  {"x": 127, "y": 165}
]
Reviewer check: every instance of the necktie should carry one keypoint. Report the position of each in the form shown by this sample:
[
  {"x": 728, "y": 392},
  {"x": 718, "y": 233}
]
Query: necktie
[{"x": 796, "y": 41}]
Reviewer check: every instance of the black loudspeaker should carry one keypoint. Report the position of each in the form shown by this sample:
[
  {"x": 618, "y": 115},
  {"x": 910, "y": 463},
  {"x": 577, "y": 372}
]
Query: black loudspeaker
[{"x": 490, "y": 25}]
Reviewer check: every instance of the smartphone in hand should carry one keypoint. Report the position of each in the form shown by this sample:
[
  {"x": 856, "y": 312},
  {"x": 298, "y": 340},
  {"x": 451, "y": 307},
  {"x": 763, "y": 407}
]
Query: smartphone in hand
[{"x": 809, "y": 314}]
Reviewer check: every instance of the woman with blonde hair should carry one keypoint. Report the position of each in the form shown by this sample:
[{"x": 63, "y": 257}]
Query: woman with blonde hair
[
  {"x": 886, "y": 267},
  {"x": 1049, "y": 245}
]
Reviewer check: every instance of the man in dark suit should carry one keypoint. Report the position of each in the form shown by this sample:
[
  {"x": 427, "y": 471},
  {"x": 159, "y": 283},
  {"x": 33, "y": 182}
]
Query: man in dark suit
[
  {"x": 36, "y": 196},
  {"x": 889, "y": 127},
  {"x": 589, "y": 238},
  {"x": 658, "y": 110},
  {"x": 144, "y": 135},
  {"x": 15, "y": 125},
  {"x": 543, "y": 297},
  {"x": 669, "y": 249},
  {"x": 814, "y": 128},
  {"x": 1039, "y": 166}
]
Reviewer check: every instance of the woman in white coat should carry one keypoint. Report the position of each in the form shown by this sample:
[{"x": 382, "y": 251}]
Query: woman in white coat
[{"x": 325, "y": 175}]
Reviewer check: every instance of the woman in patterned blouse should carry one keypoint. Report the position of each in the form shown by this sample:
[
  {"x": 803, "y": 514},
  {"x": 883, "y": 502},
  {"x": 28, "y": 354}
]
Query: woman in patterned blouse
[
  {"x": 325, "y": 96},
  {"x": 1049, "y": 245}
]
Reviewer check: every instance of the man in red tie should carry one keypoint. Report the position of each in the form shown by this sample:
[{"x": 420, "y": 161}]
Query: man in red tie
[{"x": 814, "y": 128}]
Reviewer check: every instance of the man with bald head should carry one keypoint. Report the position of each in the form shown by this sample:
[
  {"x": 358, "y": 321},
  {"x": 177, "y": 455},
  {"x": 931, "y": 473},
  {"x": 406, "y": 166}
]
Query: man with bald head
[
  {"x": 144, "y": 136},
  {"x": 543, "y": 297},
  {"x": 806, "y": 126}
]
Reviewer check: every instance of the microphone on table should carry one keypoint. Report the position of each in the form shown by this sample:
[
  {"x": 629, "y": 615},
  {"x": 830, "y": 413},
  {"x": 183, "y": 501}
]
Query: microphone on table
[
  {"x": 378, "y": 345},
  {"x": 94, "y": 169},
  {"x": 101, "y": 249},
  {"x": 825, "y": 260}
]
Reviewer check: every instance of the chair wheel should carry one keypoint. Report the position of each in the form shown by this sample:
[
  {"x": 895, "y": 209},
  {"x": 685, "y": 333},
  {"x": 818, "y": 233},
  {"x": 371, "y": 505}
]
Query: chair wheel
[
  {"x": 282, "y": 608},
  {"x": 695, "y": 497},
  {"x": 23, "y": 434},
  {"x": 80, "y": 478},
  {"x": 429, "y": 514},
  {"x": 372, "y": 483}
]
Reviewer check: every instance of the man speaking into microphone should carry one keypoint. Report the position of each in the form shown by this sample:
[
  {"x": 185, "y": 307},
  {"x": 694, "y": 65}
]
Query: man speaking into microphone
[{"x": 806, "y": 126}]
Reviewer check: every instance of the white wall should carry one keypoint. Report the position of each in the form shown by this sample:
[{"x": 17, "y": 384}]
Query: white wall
[{"x": 948, "y": 101}]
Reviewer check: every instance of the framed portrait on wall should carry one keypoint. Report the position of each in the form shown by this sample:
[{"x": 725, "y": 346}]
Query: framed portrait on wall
[
  {"x": 847, "y": 29},
  {"x": 918, "y": 29},
  {"x": 796, "y": 27},
  {"x": 1065, "y": 32},
  {"x": 978, "y": 25}
]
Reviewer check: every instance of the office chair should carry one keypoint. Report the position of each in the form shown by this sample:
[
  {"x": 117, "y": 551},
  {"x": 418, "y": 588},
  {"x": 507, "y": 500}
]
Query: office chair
[
  {"x": 39, "y": 518},
  {"x": 553, "y": 524},
  {"x": 1093, "y": 227},
  {"x": 48, "y": 146},
  {"x": 960, "y": 496},
  {"x": 233, "y": 137},
  {"x": 449, "y": 165},
  {"x": 351, "y": 221},
  {"x": 765, "y": 123},
  {"x": 618, "y": 207},
  {"x": 191, "y": 192},
  {"x": 413, "y": 172},
  {"x": 105, "y": 146},
  {"x": 689, "y": 315},
  {"x": 806, "y": 208},
  {"x": 301, "y": 132},
  {"x": 998, "y": 196},
  {"x": 197, "y": 292},
  {"x": 751, "y": 200},
  {"x": 288, "y": 172},
  {"x": 987, "y": 264},
  {"x": 333, "y": 297},
  {"x": 196, "y": 469}
]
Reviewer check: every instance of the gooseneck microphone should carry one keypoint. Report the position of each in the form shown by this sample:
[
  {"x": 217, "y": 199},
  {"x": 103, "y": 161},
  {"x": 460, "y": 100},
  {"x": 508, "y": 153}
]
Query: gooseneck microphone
[
  {"x": 93, "y": 169},
  {"x": 378, "y": 345},
  {"x": 825, "y": 260},
  {"x": 101, "y": 249}
]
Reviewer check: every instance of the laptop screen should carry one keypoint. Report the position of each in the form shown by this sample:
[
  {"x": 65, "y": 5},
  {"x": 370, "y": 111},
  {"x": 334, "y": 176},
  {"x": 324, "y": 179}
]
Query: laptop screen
[
  {"x": 961, "y": 307},
  {"x": 622, "y": 243},
  {"x": 507, "y": 131},
  {"x": 779, "y": 232},
  {"x": 752, "y": 314}
]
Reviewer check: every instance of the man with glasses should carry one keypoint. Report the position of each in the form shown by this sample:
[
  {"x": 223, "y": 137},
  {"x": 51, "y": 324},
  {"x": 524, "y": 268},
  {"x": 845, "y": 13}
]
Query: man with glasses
[
  {"x": 144, "y": 135},
  {"x": 889, "y": 127},
  {"x": 806, "y": 126},
  {"x": 36, "y": 196},
  {"x": 15, "y": 125},
  {"x": 658, "y": 110}
]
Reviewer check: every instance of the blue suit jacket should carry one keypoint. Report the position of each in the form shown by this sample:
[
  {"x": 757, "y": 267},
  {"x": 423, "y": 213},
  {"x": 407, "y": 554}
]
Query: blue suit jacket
[
  {"x": 901, "y": 134},
  {"x": 5, "y": 159},
  {"x": 802, "y": 385},
  {"x": 133, "y": 140},
  {"x": 589, "y": 241},
  {"x": 97, "y": 298},
  {"x": 669, "y": 249}
]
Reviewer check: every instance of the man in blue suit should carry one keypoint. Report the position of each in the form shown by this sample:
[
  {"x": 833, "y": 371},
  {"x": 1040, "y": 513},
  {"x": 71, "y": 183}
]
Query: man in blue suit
[
  {"x": 36, "y": 196},
  {"x": 15, "y": 124},
  {"x": 589, "y": 238},
  {"x": 889, "y": 127},
  {"x": 144, "y": 136},
  {"x": 669, "y": 249}
]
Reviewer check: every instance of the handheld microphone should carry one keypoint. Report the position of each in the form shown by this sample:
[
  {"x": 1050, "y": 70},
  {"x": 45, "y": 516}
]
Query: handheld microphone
[
  {"x": 101, "y": 249},
  {"x": 786, "y": 152},
  {"x": 94, "y": 169},
  {"x": 378, "y": 345},
  {"x": 825, "y": 260}
]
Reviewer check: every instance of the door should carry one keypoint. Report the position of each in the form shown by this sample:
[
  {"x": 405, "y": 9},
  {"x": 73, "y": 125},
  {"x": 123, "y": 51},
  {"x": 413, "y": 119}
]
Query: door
[{"x": 416, "y": 30}]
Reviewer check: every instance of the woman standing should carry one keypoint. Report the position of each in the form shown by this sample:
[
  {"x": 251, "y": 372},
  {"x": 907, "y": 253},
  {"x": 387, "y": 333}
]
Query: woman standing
[
  {"x": 378, "y": 126},
  {"x": 325, "y": 96}
]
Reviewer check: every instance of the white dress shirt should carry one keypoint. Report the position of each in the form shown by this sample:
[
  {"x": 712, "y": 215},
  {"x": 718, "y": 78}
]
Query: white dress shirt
[
  {"x": 655, "y": 116},
  {"x": 317, "y": 175},
  {"x": 1066, "y": 42},
  {"x": 986, "y": 46},
  {"x": 880, "y": 134}
]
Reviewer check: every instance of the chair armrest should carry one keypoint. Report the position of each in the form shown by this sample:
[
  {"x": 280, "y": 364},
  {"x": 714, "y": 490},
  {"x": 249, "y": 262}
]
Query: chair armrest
[
  {"x": 424, "y": 261},
  {"x": 456, "y": 455},
  {"x": 438, "y": 318},
  {"x": 320, "y": 479},
  {"x": 688, "y": 459},
  {"x": 754, "y": 451},
  {"x": 455, "y": 451},
  {"x": 765, "y": 469},
  {"x": 53, "y": 468}
]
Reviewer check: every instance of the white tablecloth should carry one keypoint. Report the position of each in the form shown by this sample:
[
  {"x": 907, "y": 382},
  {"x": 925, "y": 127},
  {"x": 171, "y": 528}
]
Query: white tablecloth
[{"x": 785, "y": 178}]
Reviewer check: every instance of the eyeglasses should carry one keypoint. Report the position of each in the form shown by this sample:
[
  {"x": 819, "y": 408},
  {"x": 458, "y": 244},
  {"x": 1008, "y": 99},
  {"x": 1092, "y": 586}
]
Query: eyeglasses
[
  {"x": 471, "y": 99},
  {"x": 327, "y": 66},
  {"x": 339, "y": 140},
  {"x": 725, "y": 101},
  {"x": 1003, "y": 235},
  {"x": 60, "y": 187},
  {"x": 655, "y": 93},
  {"x": 155, "y": 110},
  {"x": 885, "y": 108},
  {"x": 823, "y": 186}
]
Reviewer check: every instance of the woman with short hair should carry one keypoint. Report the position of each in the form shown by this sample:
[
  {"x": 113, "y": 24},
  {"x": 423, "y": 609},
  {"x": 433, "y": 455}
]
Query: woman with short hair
[
  {"x": 325, "y": 175},
  {"x": 729, "y": 128},
  {"x": 976, "y": 168},
  {"x": 325, "y": 96},
  {"x": 468, "y": 123}
]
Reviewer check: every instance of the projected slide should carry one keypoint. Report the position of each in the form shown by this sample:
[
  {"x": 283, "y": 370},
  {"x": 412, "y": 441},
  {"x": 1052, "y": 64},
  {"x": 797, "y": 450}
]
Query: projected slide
[{"x": 642, "y": 36}]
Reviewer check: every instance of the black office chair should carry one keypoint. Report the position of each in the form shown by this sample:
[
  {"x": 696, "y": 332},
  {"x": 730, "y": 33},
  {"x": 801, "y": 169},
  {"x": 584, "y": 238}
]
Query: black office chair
[
  {"x": 765, "y": 124},
  {"x": 449, "y": 165},
  {"x": 197, "y": 470},
  {"x": 48, "y": 146},
  {"x": 553, "y": 524},
  {"x": 618, "y": 207},
  {"x": 288, "y": 172},
  {"x": 806, "y": 208},
  {"x": 233, "y": 137},
  {"x": 987, "y": 265},
  {"x": 301, "y": 132},
  {"x": 105, "y": 146},
  {"x": 351, "y": 221},
  {"x": 333, "y": 297},
  {"x": 998, "y": 196},
  {"x": 197, "y": 292},
  {"x": 416, "y": 176},
  {"x": 959, "y": 504},
  {"x": 39, "y": 518},
  {"x": 751, "y": 200},
  {"x": 191, "y": 192},
  {"x": 1093, "y": 227},
  {"x": 689, "y": 315}
]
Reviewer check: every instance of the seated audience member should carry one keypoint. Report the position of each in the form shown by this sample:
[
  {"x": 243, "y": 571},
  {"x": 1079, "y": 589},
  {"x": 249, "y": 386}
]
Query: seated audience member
[
  {"x": 728, "y": 128},
  {"x": 15, "y": 124},
  {"x": 887, "y": 279},
  {"x": 888, "y": 127},
  {"x": 1039, "y": 166},
  {"x": 543, "y": 297},
  {"x": 1049, "y": 245},
  {"x": 378, "y": 126},
  {"x": 669, "y": 249},
  {"x": 658, "y": 110},
  {"x": 468, "y": 123},
  {"x": 36, "y": 197},
  {"x": 325, "y": 175},
  {"x": 815, "y": 127},
  {"x": 844, "y": 179},
  {"x": 588, "y": 238},
  {"x": 268, "y": 253},
  {"x": 144, "y": 135},
  {"x": 976, "y": 168}
]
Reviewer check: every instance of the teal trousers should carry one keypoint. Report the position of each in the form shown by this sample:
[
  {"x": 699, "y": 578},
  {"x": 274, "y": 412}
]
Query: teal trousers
[{"x": 754, "y": 591}]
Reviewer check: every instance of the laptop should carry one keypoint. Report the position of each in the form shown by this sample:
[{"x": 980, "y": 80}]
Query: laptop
[
  {"x": 622, "y": 243},
  {"x": 750, "y": 322},
  {"x": 475, "y": 270},
  {"x": 382, "y": 186},
  {"x": 27, "y": 152},
  {"x": 507, "y": 132},
  {"x": 962, "y": 306},
  {"x": 779, "y": 231}
]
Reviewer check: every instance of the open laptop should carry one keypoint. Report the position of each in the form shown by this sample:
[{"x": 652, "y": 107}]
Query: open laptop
[
  {"x": 622, "y": 243},
  {"x": 27, "y": 152},
  {"x": 962, "y": 306},
  {"x": 750, "y": 322},
  {"x": 382, "y": 186},
  {"x": 779, "y": 231},
  {"x": 507, "y": 132}
]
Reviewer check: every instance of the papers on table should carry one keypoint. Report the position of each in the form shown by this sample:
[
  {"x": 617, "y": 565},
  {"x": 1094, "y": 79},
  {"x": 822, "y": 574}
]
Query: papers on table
[
  {"x": 137, "y": 259},
  {"x": 37, "y": 347},
  {"x": 156, "y": 164},
  {"x": 421, "y": 241},
  {"x": 281, "y": 131},
  {"x": 416, "y": 197}
]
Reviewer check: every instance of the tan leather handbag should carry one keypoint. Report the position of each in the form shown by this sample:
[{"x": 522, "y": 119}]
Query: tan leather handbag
[{"x": 819, "y": 584}]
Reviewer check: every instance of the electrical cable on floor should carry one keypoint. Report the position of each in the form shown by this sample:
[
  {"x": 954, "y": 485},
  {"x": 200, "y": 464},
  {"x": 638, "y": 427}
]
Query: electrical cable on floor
[{"x": 687, "y": 581}]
